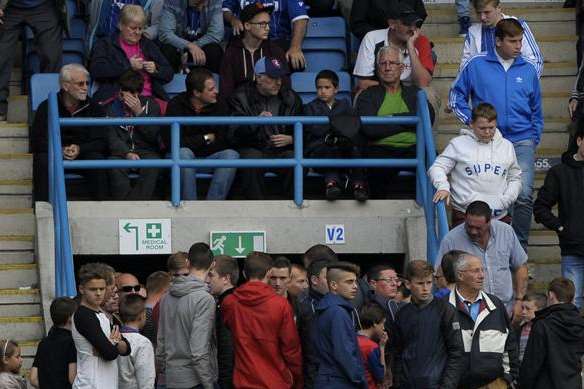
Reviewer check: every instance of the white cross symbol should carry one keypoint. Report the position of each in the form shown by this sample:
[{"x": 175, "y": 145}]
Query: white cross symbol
[{"x": 153, "y": 231}]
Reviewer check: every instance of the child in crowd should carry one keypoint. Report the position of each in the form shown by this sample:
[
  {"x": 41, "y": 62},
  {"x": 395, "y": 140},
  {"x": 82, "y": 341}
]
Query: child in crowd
[
  {"x": 55, "y": 363},
  {"x": 320, "y": 141},
  {"x": 98, "y": 343},
  {"x": 372, "y": 339},
  {"x": 137, "y": 370},
  {"x": 482, "y": 165},
  {"x": 403, "y": 295},
  {"x": 10, "y": 364},
  {"x": 522, "y": 323}
]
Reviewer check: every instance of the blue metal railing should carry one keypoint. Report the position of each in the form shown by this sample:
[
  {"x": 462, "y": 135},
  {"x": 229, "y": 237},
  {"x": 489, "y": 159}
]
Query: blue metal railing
[{"x": 436, "y": 221}]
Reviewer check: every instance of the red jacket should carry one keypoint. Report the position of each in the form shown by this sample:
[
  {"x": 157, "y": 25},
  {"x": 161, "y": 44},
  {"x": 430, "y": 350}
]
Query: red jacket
[{"x": 266, "y": 343}]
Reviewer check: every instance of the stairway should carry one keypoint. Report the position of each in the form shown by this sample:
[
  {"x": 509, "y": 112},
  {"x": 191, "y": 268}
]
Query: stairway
[
  {"x": 21, "y": 316},
  {"x": 554, "y": 29}
]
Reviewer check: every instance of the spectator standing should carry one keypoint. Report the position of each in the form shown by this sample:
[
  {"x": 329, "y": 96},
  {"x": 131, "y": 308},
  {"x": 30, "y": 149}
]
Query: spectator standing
[
  {"x": 186, "y": 349},
  {"x": 372, "y": 339},
  {"x": 253, "y": 310},
  {"x": 298, "y": 281},
  {"x": 136, "y": 371},
  {"x": 245, "y": 49},
  {"x": 280, "y": 276},
  {"x": 561, "y": 187},
  {"x": 463, "y": 15},
  {"x": 497, "y": 77},
  {"x": 522, "y": 323},
  {"x": 55, "y": 362},
  {"x": 556, "y": 343},
  {"x": 191, "y": 32},
  {"x": 133, "y": 143},
  {"x": 10, "y": 364},
  {"x": 427, "y": 341},
  {"x": 264, "y": 97},
  {"x": 402, "y": 33},
  {"x": 490, "y": 346},
  {"x": 319, "y": 139},
  {"x": 46, "y": 20},
  {"x": 481, "y": 36},
  {"x": 77, "y": 142},
  {"x": 222, "y": 279},
  {"x": 494, "y": 242},
  {"x": 390, "y": 97},
  {"x": 575, "y": 107},
  {"x": 127, "y": 284},
  {"x": 307, "y": 303},
  {"x": 339, "y": 359},
  {"x": 445, "y": 276},
  {"x": 319, "y": 251},
  {"x": 370, "y": 15},
  {"x": 482, "y": 166},
  {"x": 383, "y": 283},
  {"x": 287, "y": 27},
  {"x": 97, "y": 341},
  {"x": 157, "y": 285},
  {"x": 209, "y": 142}
]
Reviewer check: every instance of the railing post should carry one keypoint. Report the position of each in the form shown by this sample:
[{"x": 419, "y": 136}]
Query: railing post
[
  {"x": 298, "y": 170},
  {"x": 175, "y": 172}
]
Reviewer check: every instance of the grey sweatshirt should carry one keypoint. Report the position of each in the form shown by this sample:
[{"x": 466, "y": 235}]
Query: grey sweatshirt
[{"x": 186, "y": 349}]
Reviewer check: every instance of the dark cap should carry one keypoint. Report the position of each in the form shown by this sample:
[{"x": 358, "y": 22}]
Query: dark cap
[
  {"x": 251, "y": 10},
  {"x": 272, "y": 67},
  {"x": 403, "y": 13}
]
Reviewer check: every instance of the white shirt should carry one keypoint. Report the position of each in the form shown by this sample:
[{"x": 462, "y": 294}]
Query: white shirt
[
  {"x": 505, "y": 62},
  {"x": 137, "y": 370}
]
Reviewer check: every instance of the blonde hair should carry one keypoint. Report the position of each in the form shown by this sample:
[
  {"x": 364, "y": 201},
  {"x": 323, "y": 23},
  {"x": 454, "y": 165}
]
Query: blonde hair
[
  {"x": 132, "y": 13},
  {"x": 8, "y": 348}
]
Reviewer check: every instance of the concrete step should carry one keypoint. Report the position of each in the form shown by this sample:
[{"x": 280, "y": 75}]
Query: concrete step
[
  {"x": 11, "y": 243},
  {"x": 21, "y": 327},
  {"x": 17, "y": 109},
  {"x": 543, "y": 238},
  {"x": 561, "y": 48},
  {"x": 532, "y": 12},
  {"x": 539, "y": 28},
  {"x": 19, "y": 296},
  {"x": 450, "y": 70},
  {"x": 19, "y": 130},
  {"x": 16, "y": 256},
  {"x": 549, "y": 140},
  {"x": 544, "y": 254},
  {"x": 17, "y": 221},
  {"x": 20, "y": 310},
  {"x": 544, "y": 273},
  {"x": 13, "y": 145},
  {"x": 15, "y": 166},
  {"x": 15, "y": 200},
  {"x": 18, "y": 275}
]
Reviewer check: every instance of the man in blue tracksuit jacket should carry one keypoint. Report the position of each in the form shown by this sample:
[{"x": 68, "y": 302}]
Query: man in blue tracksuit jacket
[
  {"x": 335, "y": 341},
  {"x": 506, "y": 80}
]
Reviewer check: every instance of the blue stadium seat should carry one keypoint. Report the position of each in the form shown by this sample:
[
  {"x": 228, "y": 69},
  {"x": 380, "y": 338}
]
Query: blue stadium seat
[
  {"x": 303, "y": 84},
  {"x": 177, "y": 85},
  {"x": 73, "y": 52},
  {"x": 78, "y": 29},
  {"x": 41, "y": 85},
  {"x": 325, "y": 44}
]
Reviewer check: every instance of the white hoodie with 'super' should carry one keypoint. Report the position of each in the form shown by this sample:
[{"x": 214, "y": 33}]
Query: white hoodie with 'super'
[{"x": 478, "y": 171}]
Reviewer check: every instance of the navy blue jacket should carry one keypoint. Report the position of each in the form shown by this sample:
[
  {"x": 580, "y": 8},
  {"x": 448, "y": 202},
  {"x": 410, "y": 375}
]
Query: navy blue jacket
[
  {"x": 336, "y": 347},
  {"x": 307, "y": 303},
  {"x": 314, "y": 135}
]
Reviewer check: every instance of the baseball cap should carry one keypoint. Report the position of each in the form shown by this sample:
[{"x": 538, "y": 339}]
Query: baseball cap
[
  {"x": 405, "y": 14},
  {"x": 251, "y": 10},
  {"x": 272, "y": 67}
]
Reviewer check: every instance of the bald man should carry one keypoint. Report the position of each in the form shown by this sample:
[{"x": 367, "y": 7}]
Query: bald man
[{"x": 128, "y": 284}]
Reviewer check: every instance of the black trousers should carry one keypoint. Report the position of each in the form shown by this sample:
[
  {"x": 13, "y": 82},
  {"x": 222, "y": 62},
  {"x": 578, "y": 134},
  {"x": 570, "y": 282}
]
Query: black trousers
[
  {"x": 144, "y": 185},
  {"x": 48, "y": 32},
  {"x": 253, "y": 179},
  {"x": 96, "y": 179},
  {"x": 382, "y": 178},
  {"x": 213, "y": 53},
  {"x": 323, "y": 150}
]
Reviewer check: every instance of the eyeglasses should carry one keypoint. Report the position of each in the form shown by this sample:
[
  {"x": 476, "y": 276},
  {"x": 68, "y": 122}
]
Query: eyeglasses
[
  {"x": 80, "y": 83},
  {"x": 131, "y": 288},
  {"x": 389, "y": 280},
  {"x": 261, "y": 24}
]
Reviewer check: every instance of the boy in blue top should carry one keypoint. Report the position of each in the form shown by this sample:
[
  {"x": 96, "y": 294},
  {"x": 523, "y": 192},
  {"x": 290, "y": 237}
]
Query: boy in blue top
[
  {"x": 510, "y": 83},
  {"x": 287, "y": 26}
]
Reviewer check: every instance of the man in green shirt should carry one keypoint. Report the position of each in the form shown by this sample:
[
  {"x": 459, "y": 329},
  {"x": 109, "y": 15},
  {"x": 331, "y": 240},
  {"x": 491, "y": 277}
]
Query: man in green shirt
[{"x": 390, "y": 97}]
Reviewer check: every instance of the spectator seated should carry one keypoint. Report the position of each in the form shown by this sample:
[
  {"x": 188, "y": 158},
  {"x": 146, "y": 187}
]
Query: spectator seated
[{"x": 304, "y": 84}]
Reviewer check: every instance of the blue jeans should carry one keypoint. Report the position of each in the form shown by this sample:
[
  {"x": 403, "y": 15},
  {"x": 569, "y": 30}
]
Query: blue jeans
[
  {"x": 573, "y": 269},
  {"x": 462, "y": 8},
  {"x": 220, "y": 183},
  {"x": 523, "y": 209}
]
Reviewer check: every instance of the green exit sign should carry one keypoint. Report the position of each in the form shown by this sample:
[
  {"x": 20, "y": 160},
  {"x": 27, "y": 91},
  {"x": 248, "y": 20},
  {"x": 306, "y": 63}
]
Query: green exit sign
[{"x": 237, "y": 243}]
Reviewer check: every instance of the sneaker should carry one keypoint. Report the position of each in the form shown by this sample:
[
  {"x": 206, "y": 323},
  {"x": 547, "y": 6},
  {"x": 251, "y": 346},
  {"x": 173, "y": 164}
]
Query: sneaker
[
  {"x": 360, "y": 192},
  {"x": 464, "y": 25},
  {"x": 333, "y": 191}
]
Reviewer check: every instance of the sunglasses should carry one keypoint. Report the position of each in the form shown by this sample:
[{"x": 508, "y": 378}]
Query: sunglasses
[{"x": 131, "y": 288}]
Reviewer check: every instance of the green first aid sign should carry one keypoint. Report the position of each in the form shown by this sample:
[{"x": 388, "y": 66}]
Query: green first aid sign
[
  {"x": 144, "y": 236},
  {"x": 237, "y": 243}
]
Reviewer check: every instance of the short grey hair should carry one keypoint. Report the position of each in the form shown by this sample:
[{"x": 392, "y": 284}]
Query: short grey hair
[
  {"x": 65, "y": 73},
  {"x": 461, "y": 263},
  {"x": 387, "y": 49}
]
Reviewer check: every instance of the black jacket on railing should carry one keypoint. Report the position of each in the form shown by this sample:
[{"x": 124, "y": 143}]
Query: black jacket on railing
[
  {"x": 108, "y": 62},
  {"x": 369, "y": 101}
]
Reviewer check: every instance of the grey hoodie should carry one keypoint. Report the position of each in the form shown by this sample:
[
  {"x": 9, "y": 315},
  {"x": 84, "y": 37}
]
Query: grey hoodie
[{"x": 186, "y": 351}]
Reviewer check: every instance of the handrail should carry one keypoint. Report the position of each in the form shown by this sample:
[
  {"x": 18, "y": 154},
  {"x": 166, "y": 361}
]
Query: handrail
[{"x": 426, "y": 154}]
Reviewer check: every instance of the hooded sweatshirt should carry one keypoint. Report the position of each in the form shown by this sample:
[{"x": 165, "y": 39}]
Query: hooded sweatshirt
[
  {"x": 478, "y": 171},
  {"x": 186, "y": 349},
  {"x": 266, "y": 343},
  {"x": 564, "y": 185},
  {"x": 554, "y": 349}
]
